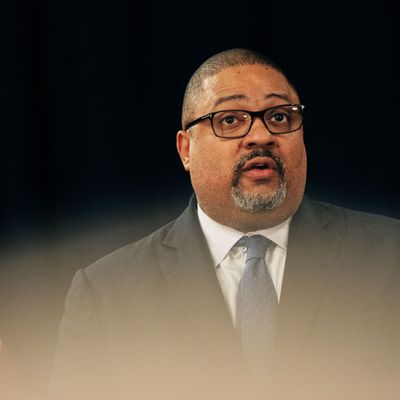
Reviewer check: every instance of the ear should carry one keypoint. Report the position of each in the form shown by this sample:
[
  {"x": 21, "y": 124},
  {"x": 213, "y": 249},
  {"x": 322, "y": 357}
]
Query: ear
[{"x": 183, "y": 145}]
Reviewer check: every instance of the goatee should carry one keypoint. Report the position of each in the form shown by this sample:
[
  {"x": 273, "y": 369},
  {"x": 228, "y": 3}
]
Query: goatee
[{"x": 258, "y": 202}]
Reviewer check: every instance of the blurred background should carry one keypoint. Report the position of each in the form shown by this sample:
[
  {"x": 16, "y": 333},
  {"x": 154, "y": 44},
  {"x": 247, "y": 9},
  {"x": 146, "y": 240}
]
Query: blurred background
[{"x": 91, "y": 93}]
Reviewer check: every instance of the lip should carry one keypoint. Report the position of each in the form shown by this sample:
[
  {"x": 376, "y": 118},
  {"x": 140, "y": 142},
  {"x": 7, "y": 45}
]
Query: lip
[
  {"x": 260, "y": 169},
  {"x": 265, "y": 164}
]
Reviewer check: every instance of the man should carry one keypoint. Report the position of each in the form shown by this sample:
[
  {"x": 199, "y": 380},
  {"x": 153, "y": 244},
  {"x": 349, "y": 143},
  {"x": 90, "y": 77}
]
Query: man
[{"x": 179, "y": 315}]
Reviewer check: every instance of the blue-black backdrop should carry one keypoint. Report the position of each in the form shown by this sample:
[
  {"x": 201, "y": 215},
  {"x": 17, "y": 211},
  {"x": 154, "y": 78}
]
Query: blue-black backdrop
[{"x": 90, "y": 103}]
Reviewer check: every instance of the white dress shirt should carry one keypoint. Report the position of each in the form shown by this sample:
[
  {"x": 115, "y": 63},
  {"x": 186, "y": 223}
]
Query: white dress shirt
[{"x": 229, "y": 261}]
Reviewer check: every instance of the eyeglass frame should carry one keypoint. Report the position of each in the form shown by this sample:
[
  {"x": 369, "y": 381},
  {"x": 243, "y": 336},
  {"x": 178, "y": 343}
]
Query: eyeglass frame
[{"x": 252, "y": 114}]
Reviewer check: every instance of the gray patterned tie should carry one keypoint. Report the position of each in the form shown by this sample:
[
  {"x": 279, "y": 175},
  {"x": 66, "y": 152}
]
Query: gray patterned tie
[{"x": 256, "y": 306}]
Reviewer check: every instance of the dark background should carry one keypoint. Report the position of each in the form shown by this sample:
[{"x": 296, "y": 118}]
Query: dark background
[{"x": 90, "y": 103}]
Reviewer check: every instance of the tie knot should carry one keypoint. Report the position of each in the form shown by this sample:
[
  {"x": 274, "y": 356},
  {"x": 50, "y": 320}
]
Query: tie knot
[{"x": 256, "y": 246}]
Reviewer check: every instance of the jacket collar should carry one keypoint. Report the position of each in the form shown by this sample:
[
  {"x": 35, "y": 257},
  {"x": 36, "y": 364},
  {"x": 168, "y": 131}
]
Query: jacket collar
[
  {"x": 315, "y": 240},
  {"x": 187, "y": 267}
]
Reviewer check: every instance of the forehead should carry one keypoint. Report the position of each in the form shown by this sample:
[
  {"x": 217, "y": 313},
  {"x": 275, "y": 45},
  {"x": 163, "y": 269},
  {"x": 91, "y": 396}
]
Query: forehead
[{"x": 247, "y": 85}]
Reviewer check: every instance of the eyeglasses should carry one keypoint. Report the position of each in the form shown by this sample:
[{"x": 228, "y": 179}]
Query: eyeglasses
[{"x": 233, "y": 124}]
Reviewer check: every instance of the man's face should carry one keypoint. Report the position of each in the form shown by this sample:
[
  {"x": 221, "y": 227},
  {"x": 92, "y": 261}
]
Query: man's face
[{"x": 251, "y": 182}]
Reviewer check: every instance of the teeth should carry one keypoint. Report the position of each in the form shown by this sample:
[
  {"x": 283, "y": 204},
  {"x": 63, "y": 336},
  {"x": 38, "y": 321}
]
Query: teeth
[{"x": 259, "y": 166}]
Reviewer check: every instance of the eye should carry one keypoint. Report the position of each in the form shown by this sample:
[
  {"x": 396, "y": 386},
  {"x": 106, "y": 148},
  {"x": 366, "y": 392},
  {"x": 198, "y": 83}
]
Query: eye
[
  {"x": 279, "y": 117},
  {"x": 230, "y": 119},
  {"x": 283, "y": 119}
]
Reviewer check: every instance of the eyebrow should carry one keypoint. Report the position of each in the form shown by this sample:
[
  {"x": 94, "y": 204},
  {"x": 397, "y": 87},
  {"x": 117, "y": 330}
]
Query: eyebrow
[
  {"x": 231, "y": 97},
  {"x": 243, "y": 97},
  {"x": 280, "y": 96}
]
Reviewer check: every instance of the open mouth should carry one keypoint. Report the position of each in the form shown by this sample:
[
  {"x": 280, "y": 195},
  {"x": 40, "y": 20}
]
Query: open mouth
[
  {"x": 259, "y": 163},
  {"x": 260, "y": 166}
]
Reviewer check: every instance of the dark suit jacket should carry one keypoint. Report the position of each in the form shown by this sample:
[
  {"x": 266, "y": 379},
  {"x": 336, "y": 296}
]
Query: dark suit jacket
[{"x": 150, "y": 319}]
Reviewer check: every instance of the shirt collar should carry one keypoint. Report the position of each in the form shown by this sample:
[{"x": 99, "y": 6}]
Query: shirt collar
[{"x": 221, "y": 238}]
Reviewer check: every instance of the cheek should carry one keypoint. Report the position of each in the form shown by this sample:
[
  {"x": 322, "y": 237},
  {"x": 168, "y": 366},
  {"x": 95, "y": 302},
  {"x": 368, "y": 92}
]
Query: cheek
[
  {"x": 299, "y": 157},
  {"x": 298, "y": 169},
  {"x": 296, "y": 160},
  {"x": 210, "y": 166}
]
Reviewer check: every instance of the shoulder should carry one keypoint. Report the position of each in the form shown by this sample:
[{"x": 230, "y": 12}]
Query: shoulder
[
  {"x": 144, "y": 251},
  {"x": 351, "y": 224},
  {"x": 356, "y": 218},
  {"x": 144, "y": 256}
]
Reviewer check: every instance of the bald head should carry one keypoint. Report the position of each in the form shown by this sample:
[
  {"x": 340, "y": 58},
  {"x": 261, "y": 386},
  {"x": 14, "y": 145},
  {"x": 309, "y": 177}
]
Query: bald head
[{"x": 214, "y": 65}]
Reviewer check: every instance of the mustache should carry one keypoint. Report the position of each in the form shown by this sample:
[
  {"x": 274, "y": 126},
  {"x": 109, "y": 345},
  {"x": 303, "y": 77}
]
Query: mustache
[{"x": 280, "y": 165}]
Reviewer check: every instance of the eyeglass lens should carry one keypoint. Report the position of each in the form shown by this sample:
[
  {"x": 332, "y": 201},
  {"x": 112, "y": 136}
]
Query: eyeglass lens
[{"x": 237, "y": 123}]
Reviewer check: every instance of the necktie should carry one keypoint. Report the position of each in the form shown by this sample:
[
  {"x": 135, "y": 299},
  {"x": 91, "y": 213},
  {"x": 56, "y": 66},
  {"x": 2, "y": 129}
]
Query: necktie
[{"x": 256, "y": 306}]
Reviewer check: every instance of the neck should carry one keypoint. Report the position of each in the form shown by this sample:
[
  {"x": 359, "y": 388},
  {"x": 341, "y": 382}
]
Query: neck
[{"x": 245, "y": 221}]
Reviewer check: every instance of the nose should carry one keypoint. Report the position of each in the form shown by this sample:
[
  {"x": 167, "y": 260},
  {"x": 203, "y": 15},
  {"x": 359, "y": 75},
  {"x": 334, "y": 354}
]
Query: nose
[{"x": 259, "y": 135}]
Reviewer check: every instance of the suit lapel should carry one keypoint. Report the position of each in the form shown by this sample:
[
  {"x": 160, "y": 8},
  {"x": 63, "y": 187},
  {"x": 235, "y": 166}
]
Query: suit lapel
[
  {"x": 187, "y": 268},
  {"x": 312, "y": 250}
]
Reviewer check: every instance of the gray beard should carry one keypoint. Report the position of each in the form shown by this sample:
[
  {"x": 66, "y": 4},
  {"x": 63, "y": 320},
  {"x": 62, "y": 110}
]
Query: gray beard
[{"x": 258, "y": 202}]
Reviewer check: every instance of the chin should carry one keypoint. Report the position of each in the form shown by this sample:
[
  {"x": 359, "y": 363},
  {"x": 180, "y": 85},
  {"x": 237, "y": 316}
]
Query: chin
[{"x": 259, "y": 202}]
